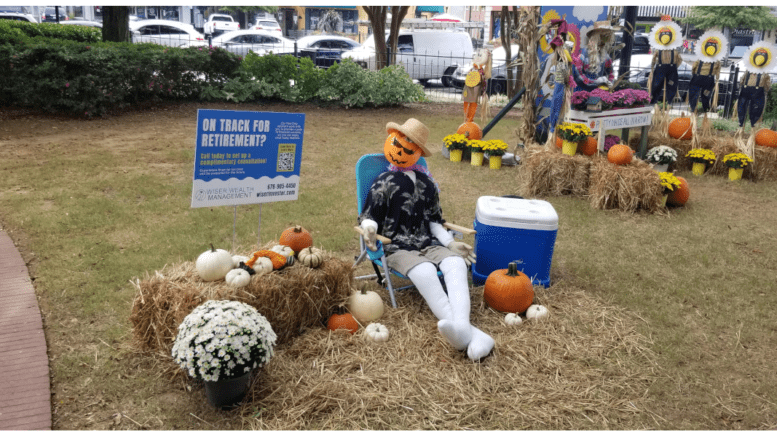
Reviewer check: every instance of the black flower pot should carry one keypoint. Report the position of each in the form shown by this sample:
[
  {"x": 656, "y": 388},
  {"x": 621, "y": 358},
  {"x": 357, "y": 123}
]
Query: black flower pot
[{"x": 227, "y": 393}]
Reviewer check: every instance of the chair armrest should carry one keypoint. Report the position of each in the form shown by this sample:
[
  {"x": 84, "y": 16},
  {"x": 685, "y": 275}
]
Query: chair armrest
[
  {"x": 457, "y": 228},
  {"x": 379, "y": 237}
]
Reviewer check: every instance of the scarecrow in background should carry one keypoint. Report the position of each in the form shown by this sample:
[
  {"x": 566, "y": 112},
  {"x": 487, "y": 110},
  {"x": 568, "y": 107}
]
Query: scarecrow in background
[
  {"x": 711, "y": 49},
  {"x": 403, "y": 204},
  {"x": 595, "y": 65},
  {"x": 758, "y": 61},
  {"x": 474, "y": 90},
  {"x": 665, "y": 40},
  {"x": 561, "y": 61}
]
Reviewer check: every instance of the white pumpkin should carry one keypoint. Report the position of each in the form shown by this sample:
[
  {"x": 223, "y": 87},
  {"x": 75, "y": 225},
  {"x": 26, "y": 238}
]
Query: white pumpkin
[
  {"x": 213, "y": 264},
  {"x": 237, "y": 259},
  {"x": 377, "y": 332},
  {"x": 365, "y": 306},
  {"x": 311, "y": 257},
  {"x": 283, "y": 250},
  {"x": 536, "y": 312},
  {"x": 238, "y": 278},
  {"x": 262, "y": 265},
  {"x": 512, "y": 319}
]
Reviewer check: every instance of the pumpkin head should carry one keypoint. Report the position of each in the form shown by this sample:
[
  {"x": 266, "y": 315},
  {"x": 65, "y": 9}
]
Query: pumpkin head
[
  {"x": 679, "y": 196},
  {"x": 620, "y": 154},
  {"x": 680, "y": 128},
  {"x": 470, "y": 130},
  {"x": 297, "y": 238},
  {"x": 508, "y": 290},
  {"x": 342, "y": 320},
  {"x": 401, "y": 150},
  {"x": 589, "y": 146},
  {"x": 766, "y": 138}
]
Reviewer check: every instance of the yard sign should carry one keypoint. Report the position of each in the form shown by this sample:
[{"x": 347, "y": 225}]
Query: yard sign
[{"x": 245, "y": 157}]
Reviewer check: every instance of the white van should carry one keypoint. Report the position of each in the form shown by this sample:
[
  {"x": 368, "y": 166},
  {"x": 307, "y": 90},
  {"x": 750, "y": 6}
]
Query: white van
[{"x": 425, "y": 54}]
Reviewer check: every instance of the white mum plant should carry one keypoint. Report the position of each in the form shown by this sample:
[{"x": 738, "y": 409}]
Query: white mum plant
[
  {"x": 223, "y": 339},
  {"x": 661, "y": 155}
]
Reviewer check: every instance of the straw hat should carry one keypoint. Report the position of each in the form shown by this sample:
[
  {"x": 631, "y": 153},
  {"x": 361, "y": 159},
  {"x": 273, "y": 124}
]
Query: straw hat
[
  {"x": 600, "y": 26},
  {"x": 413, "y": 129}
]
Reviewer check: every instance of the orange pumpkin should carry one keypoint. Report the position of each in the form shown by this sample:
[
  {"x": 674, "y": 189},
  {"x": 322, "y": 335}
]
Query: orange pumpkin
[
  {"x": 679, "y": 196},
  {"x": 620, "y": 154},
  {"x": 470, "y": 130},
  {"x": 680, "y": 128},
  {"x": 559, "y": 142},
  {"x": 401, "y": 150},
  {"x": 297, "y": 238},
  {"x": 342, "y": 320},
  {"x": 766, "y": 137},
  {"x": 589, "y": 146},
  {"x": 508, "y": 290}
]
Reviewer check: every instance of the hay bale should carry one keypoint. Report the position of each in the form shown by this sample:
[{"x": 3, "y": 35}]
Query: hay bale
[
  {"x": 550, "y": 172},
  {"x": 765, "y": 164},
  {"x": 631, "y": 188},
  {"x": 292, "y": 299}
]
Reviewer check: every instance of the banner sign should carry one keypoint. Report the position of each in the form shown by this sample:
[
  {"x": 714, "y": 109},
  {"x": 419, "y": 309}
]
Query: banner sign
[{"x": 245, "y": 157}]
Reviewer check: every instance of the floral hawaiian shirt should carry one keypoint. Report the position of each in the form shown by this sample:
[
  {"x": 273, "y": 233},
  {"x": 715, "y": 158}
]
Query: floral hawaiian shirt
[{"x": 403, "y": 210}]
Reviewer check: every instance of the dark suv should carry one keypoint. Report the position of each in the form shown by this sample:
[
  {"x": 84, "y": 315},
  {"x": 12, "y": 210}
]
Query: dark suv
[
  {"x": 50, "y": 15},
  {"x": 641, "y": 44}
]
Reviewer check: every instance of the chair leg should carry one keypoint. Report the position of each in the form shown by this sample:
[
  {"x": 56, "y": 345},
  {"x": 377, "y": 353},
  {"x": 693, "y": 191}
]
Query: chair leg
[
  {"x": 388, "y": 281},
  {"x": 378, "y": 274}
]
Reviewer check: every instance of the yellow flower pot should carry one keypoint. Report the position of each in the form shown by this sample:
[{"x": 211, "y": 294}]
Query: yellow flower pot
[
  {"x": 456, "y": 155},
  {"x": 698, "y": 168},
  {"x": 568, "y": 147},
  {"x": 494, "y": 162},
  {"x": 477, "y": 159},
  {"x": 735, "y": 174}
]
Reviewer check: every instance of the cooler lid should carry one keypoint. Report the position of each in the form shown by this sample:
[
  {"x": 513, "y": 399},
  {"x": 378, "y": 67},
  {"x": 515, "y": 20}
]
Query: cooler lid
[{"x": 516, "y": 213}]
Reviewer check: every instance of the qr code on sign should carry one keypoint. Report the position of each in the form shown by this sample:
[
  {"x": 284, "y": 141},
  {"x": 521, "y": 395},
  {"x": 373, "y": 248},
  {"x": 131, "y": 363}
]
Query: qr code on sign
[{"x": 286, "y": 154}]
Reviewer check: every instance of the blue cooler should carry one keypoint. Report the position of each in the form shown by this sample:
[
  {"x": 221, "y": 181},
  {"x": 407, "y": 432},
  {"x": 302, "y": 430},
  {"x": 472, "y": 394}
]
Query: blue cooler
[{"x": 522, "y": 230}]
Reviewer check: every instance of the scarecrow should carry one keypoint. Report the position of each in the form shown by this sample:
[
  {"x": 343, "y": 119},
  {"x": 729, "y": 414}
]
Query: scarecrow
[
  {"x": 758, "y": 61},
  {"x": 403, "y": 204},
  {"x": 710, "y": 50},
  {"x": 474, "y": 89},
  {"x": 594, "y": 68},
  {"x": 665, "y": 40},
  {"x": 561, "y": 60}
]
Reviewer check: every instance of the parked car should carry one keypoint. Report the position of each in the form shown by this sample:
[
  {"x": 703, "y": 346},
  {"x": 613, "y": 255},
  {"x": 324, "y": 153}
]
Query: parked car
[
  {"x": 242, "y": 41},
  {"x": 87, "y": 23},
  {"x": 498, "y": 82},
  {"x": 640, "y": 46},
  {"x": 220, "y": 23},
  {"x": 17, "y": 16},
  {"x": 49, "y": 15},
  {"x": 166, "y": 32},
  {"x": 269, "y": 25},
  {"x": 325, "y": 50},
  {"x": 425, "y": 54}
]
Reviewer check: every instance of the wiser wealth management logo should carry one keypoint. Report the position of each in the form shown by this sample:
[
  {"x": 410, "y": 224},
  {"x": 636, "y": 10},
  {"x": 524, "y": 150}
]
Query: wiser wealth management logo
[{"x": 244, "y": 157}]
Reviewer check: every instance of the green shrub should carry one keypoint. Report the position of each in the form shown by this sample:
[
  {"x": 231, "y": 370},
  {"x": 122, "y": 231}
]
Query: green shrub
[
  {"x": 352, "y": 86},
  {"x": 770, "y": 112},
  {"x": 16, "y": 31}
]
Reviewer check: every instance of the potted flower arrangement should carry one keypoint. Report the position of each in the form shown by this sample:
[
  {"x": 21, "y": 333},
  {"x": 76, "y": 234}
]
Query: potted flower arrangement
[
  {"x": 669, "y": 183},
  {"x": 630, "y": 98},
  {"x": 221, "y": 342},
  {"x": 571, "y": 134},
  {"x": 661, "y": 157},
  {"x": 701, "y": 158},
  {"x": 608, "y": 100},
  {"x": 456, "y": 144},
  {"x": 736, "y": 163},
  {"x": 495, "y": 150},
  {"x": 476, "y": 149},
  {"x": 609, "y": 141},
  {"x": 579, "y": 100}
]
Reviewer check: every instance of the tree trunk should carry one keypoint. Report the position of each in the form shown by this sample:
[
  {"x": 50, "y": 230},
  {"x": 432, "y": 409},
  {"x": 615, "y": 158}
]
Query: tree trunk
[
  {"x": 397, "y": 15},
  {"x": 377, "y": 16},
  {"x": 506, "y": 37},
  {"x": 116, "y": 23}
]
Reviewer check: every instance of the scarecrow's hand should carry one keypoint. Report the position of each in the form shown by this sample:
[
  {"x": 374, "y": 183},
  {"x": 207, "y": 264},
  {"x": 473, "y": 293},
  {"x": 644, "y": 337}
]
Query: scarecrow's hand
[
  {"x": 463, "y": 249},
  {"x": 370, "y": 237}
]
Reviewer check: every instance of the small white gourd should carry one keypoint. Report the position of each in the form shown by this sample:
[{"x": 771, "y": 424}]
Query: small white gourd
[
  {"x": 512, "y": 319},
  {"x": 365, "y": 306},
  {"x": 238, "y": 278},
  {"x": 283, "y": 250},
  {"x": 237, "y": 259},
  {"x": 377, "y": 332},
  {"x": 213, "y": 264},
  {"x": 311, "y": 257},
  {"x": 536, "y": 312},
  {"x": 262, "y": 265}
]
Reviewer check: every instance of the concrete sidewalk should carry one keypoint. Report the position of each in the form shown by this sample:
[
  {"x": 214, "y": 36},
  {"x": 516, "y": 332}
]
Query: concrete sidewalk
[{"x": 25, "y": 393}]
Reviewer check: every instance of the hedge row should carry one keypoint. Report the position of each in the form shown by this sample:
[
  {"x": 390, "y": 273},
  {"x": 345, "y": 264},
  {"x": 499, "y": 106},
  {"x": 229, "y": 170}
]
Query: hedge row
[
  {"x": 47, "y": 72},
  {"x": 13, "y": 31}
]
